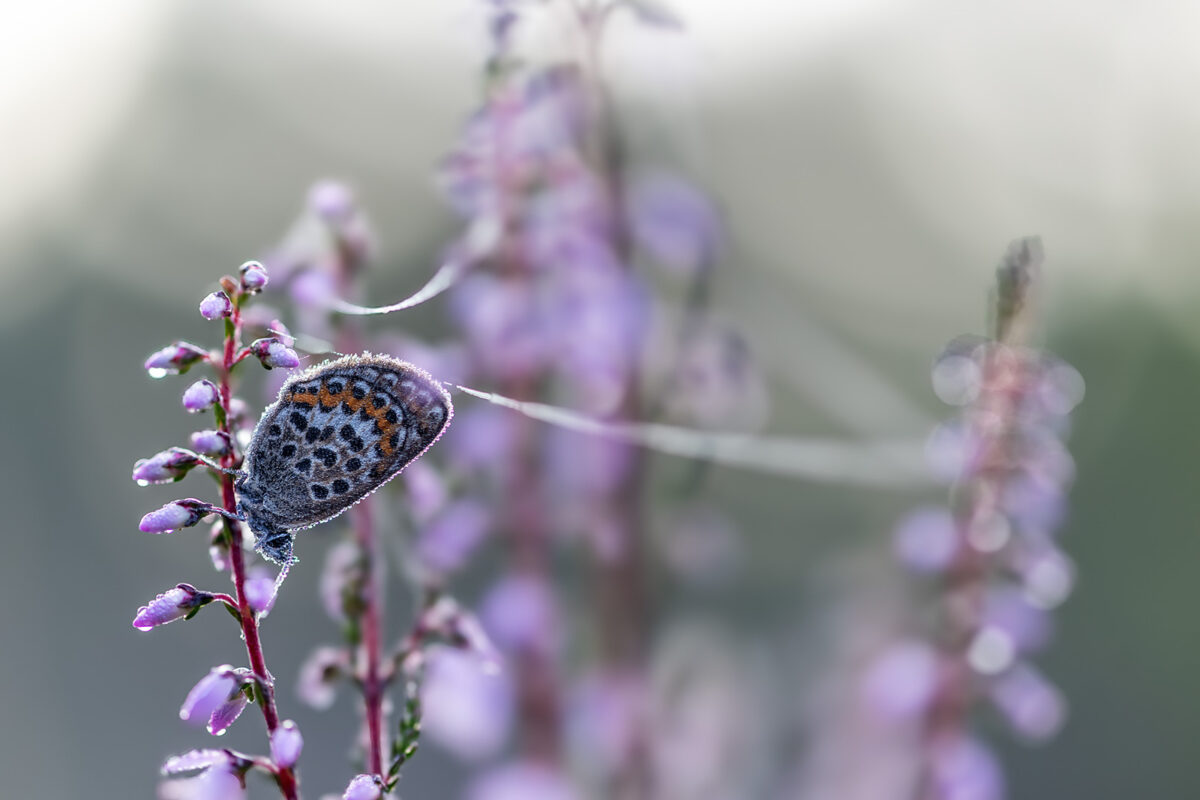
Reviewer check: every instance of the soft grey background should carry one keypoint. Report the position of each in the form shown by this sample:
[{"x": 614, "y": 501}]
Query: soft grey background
[{"x": 873, "y": 159}]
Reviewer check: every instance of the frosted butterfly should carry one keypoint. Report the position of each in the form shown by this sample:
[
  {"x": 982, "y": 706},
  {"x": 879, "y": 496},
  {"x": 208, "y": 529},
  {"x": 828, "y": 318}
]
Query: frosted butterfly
[{"x": 338, "y": 432}]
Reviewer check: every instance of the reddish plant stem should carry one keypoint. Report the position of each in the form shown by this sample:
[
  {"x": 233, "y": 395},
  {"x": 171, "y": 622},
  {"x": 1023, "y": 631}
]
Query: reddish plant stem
[
  {"x": 284, "y": 776},
  {"x": 624, "y": 600},
  {"x": 373, "y": 685},
  {"x": 371, "y": 681},
  {"x": 966, "y": 583},
  {"x": 538, "y": 704}
]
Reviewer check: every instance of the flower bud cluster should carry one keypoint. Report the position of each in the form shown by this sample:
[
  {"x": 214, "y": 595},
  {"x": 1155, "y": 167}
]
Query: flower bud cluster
[
  {"x": 993, "y": 550},
  {"x": 220, "y": 697}
]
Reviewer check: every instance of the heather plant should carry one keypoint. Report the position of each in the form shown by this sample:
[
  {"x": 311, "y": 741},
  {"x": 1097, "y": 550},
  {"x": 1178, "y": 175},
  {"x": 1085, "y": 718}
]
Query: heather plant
[
  {"x": 579, "y": 295},
  {"x": 992, "y": 555},
  {"x": 220, "y": 697}
]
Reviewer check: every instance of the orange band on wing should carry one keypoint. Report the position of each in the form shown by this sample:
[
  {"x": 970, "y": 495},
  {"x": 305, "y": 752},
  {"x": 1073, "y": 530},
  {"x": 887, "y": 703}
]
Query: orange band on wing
[{"x": 329, "y": 400}]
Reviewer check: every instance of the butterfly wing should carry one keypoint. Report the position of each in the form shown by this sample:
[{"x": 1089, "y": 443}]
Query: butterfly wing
[{"x": 338, "y": 432}]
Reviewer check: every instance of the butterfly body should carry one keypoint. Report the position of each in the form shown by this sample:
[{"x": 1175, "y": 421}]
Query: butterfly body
[{"x": 338, "y": 432}]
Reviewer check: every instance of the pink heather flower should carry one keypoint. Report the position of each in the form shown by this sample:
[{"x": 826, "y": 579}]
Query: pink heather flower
[
  {"x": 674, "y": 222},
  {"x": 926, "y": 540},
  {"x": 520, "y": 612},
  {"x": 216, "y": 306},
  {"x": 603, "y": 714},
  {"x": 194, "y": 760},
  {"x": 461, "y": 629},
  {"x": 200, "y": 396},
  {"x": 427, "y": 493},
  {"x": 280, "y": 333},
  {"x": 447, "y": 541},
  {"x": 173, "y": 516},
  {"x": 217, "y": 783},
  {"x": 217, "y": 700},
  {"x": 364, "y": 787},
  {"x": 1034, "y": 707},
  {"x": 902, "y": 682},
  {"x": 319, "y": 674},
  {"x": 254, "y": 276},
  {"x": 211, "y": 443},
  {"x": 260, "y": 590},
  {"x": 482, "y": 436},
  {"x": 175, "y": 358},
  {"x": 313, "y": 289},
  {"x": 169, "y": 606},
  {"x": 521, "y": 781},
  {"x": 164, "y": 467},
  {"x": 273, "y": 353},
  {"x": 466, "y": 709},
  {"x": 286, "y": 744},
  {"x": 332, "y": 201},
  {"x": 965, "y": 769}
]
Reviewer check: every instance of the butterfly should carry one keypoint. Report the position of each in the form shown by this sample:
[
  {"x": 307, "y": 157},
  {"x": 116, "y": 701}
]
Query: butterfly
[{"x": 338, "y": 432}]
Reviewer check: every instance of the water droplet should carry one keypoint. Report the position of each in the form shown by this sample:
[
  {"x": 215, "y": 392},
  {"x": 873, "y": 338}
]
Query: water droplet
[
  {"x": 991, "y": 652},
  {"x": 956, "y": 380},
  {"x": 991, "y": 534},
  {"x": 157, "y": 372}
]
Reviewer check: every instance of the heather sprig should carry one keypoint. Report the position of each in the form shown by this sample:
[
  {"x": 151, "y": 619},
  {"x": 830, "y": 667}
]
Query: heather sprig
[
  {"x": 328, "y": 247},
  {"x": 993, "y": 554},
  {"x": 220, "y": 697}
]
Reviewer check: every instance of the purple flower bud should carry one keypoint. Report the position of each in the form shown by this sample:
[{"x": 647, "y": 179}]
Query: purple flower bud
[
  {"x": 175, "y": 515},
  {"x": 466, "y": 709},
  {"x": 447, "y": 542},
  {"x": 1049, "y": 577},
  {"x": 332, "y": 201},
  {"x": 482, "y": 436},
  {"x": 1008, "y": 610},
  {"x": 313, "y": 289},
  {"x": 286, "y": 744},
  {"x": 260, "y": 590},
  {"x": 174, "y": 359},
  {"x": 522, "y": 781},
  {"x": 674, "y": 222},
  {"x": 218, "y": 782},
  {"x": 280, "y": 333},
  {"x": 194, "y": 760},
  {"x": 520, "y": 613},
  {"x": 216, "y": 306},
  {"x": 254, "y": 276},
  {"x": 200, "y": 396},
  {"x": 319, "y": 675},
  {"x": 169, "y": 606},
  {"x": 217, "y": 700},
  {"x": 926, "y": 541},
  {"x": 1034, "y": 707},
  {"x": 273, "y": 353},
  {"x": 965, "y": 769},
  {"x": 427, "y": 492},
  {"x": 900, "y": 684},
  {"x": 364, "y": 787},
  {"x": 164, "y": 467},
  {"x": 461, "y": 629},
  {"x": 211, "y": 443}
]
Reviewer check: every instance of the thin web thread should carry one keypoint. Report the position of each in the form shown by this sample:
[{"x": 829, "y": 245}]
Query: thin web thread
[{"x": 891, "y": 463}]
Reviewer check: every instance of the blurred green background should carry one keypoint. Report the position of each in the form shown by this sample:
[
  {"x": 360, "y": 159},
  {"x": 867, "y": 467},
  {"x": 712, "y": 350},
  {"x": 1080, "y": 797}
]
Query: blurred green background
[{"x": 872, "y": 159}]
